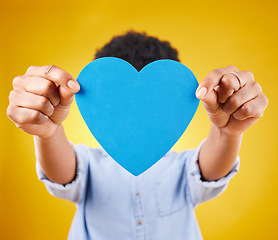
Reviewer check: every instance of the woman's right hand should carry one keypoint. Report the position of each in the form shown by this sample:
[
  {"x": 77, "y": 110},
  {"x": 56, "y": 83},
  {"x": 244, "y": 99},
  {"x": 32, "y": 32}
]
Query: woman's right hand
[{"x": 41, "y": 99}]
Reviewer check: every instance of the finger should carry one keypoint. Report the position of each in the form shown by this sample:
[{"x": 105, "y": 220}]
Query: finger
[
  {"x": 243, "y": 77},
  {"x": 210, "y": 102},
  {"x": 228, "y": 85},
  {"x": 66, "y": 97},
  {"x": 252, "y": 109},
  {"x": 231, "y": 82},
  {"x": 32, "y": 101},
  {"x": 55, "y": 74},
  {"x": 243, "y": 95},
  {"x": 212, "y": 80},
  {"x": 39, "y": 86},
  {"x": 21, "y": 116}
]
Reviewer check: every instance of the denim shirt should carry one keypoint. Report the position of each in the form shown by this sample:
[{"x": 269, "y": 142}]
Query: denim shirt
[{"x": 159, "y": 204}]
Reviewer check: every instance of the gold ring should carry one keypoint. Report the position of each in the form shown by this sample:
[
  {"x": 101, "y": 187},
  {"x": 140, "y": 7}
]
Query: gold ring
[{"x": 238, "y": 78}]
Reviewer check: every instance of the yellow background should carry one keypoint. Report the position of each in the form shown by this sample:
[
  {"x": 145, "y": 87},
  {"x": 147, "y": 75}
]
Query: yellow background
[{"x": 208, "y": 34}]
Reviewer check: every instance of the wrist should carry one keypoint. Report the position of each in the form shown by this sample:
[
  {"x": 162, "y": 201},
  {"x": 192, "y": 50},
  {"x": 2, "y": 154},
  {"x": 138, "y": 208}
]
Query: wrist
[
  {"x": 50, "y": 135},
  {"x": 231, "y": 136}
]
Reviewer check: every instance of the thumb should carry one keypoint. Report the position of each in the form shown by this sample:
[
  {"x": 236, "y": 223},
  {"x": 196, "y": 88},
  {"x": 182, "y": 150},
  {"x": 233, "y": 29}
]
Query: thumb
[{"x": 209, "y": 98}]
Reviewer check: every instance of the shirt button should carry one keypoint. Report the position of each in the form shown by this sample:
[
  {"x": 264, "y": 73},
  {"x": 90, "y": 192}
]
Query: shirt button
[
  {"x": 137, "y": 194},
  {"x": 139, "y": 222}
]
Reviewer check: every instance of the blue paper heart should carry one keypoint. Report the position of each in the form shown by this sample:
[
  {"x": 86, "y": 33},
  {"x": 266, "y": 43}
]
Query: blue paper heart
[{"x": 136, "y": 116}]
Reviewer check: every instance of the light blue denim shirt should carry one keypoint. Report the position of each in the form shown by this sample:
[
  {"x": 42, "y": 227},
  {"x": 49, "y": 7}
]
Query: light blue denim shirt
[{"x": 112, "y": 204}]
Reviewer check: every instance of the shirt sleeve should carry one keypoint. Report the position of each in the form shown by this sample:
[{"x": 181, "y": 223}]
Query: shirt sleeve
[
  {"x": 74, "y": 190},
  {"x": 199, "y": 189}
]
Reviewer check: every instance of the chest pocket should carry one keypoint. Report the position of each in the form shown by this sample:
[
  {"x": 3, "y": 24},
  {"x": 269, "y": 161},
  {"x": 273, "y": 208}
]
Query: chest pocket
[{"x": 171, "y": 195}]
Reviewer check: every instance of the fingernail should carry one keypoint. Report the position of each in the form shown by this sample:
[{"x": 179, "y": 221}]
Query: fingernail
[
  {"x": 73, "y": 85},
  {"x": 201, "y": 93}
]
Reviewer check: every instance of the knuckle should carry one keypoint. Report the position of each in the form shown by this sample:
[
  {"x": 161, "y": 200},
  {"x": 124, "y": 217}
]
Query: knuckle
[
  {"x": 16, "y": 81},
  {"x": 215, "y": 72},
  {"x": 232, "y": 67},
  {"x": 260, "y": 112},
  {"x": 10, "y": 112},
  {"x": 226, "y": 80},
  {"x": 11, "y": 96},
  {"x": 246, "y": 111},
  {"x": 46, "y": 107},
  {"x": 228, "y": 108},
  {"x": 250, "y": 74},
  {"x": 44, "y": 102},
  {"x": 49, "y": 87},
  {"x": 61, "y": 75},
  {"x": 36, "y": 117},
  {"x": 266, "y": 101},
  {"x": 257, "y": 87},
  {"x": 30, "y": 69},
  {"x": 234, "y": 101},
  {"x": 49, "y": 69},
  {"x": 21, "y": 119}
]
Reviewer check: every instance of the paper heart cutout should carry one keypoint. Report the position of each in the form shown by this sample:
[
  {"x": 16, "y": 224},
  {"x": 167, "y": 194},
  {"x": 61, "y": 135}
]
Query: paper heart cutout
[{"x": 136, "y": 116}]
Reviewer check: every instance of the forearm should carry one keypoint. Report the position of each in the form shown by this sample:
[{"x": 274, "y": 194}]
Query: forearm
[
  {"x": 56, "y": 157},
  {"x": 218, "y": 154}
]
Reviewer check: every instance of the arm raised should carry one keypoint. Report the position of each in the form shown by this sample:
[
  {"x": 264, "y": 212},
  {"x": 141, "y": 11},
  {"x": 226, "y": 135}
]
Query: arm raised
[
  {"x": 39, "y": 103},
  {"x": 234, "y": 102}
]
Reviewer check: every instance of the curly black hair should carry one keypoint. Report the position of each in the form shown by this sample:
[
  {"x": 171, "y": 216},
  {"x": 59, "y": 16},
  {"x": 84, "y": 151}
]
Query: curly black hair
[{"x": 138, "y": 49}]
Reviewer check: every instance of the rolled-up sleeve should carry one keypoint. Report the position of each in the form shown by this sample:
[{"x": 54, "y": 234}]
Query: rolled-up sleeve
[
  {"x": 74, "y": 190},
  {"x": 201, "y": 190}
]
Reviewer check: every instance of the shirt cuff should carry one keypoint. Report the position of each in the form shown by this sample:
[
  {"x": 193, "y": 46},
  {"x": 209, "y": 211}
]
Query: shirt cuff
[
  {"x": 202, "y": 190},
  {"x": 195, "y": 171},
  {"x": 70, "y": 191}
]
